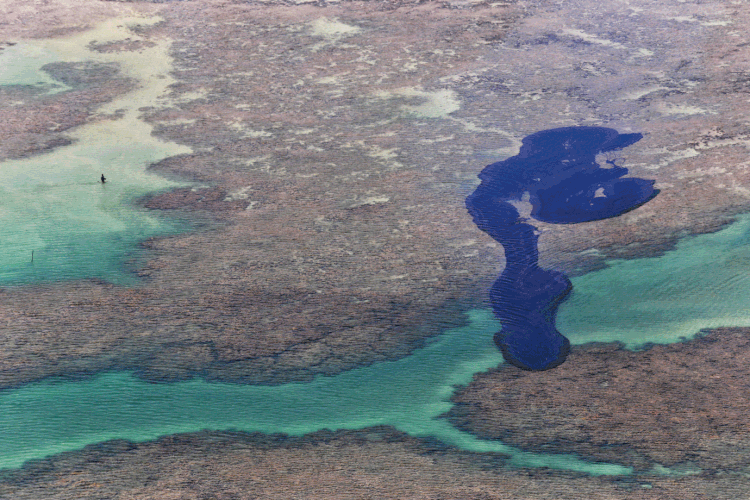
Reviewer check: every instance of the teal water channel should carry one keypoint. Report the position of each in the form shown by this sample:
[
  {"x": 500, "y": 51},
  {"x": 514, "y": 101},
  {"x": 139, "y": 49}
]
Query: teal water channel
[
  {"x": 410, "y": 394},
  {"x": 633, "y": 301},
  {"x": 703, "y": 283}
]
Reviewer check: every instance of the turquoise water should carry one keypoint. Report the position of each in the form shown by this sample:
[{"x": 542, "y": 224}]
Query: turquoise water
[
  {"x": 704, "y": 278},
  {"x": 53, "y": 204},
  {"x": 76, "y": 226},
  {"x": 21, "y": 65},
  {"x": 51, "y": 417},
  {"x": 703, "y": 283}
]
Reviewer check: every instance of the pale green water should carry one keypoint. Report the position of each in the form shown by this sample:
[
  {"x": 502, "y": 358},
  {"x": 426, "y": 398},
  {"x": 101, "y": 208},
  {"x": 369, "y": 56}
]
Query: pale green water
[
  {"x": 76, "y": 226},
  {"x": 21, "y": 65},
  {"x": 53, "y": 204},
  {"x": 703, "y": 283},
  {"x": 704, "y": 279},
  {"x": 51, "y": 417}
]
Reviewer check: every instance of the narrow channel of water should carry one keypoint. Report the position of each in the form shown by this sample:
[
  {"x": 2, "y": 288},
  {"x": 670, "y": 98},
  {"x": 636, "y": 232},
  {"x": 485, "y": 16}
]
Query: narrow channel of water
[
  {"x": 631, "y": 301},
  {"x": 51, "y": 417}
]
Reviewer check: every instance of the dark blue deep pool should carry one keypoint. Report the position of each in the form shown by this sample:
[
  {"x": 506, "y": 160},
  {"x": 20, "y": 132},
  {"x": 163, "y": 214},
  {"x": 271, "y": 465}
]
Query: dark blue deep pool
[{"x": 557, "y": 170}]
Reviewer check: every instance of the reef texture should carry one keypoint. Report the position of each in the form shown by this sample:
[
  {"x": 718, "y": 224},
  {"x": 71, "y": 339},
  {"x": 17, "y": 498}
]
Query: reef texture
[
  {"x": 680, "y": 406},
  {"x": 556, "y": 172},
  {"x": 369, "y": 464},
  {"x": 333, "y": 146}
]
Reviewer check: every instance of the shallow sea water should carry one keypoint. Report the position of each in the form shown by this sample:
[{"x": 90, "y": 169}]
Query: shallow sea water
[
  {"x": 78, "y": 228},
  {"x": 703, "y": 283},
  {"x": 54, "y": 416},
  {"x": 53, "y": 204},
  {"x": 51, "y": 417}
]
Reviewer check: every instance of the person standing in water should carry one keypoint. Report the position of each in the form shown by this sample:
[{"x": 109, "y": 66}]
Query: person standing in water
[{"x": 104, "y": 179}]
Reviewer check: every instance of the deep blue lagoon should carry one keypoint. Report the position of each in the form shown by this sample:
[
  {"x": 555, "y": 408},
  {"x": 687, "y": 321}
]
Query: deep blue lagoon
[{"x": 558, "y": 172}]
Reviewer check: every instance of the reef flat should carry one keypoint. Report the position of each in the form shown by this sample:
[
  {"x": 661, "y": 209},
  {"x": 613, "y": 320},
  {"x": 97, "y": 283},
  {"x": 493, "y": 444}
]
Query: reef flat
[
  {"x": 676, "y": 405},
  {"x": 335, "y": 234},
  {"x": 371, "y": 463},
  {"x": 331, "y": 147}
]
